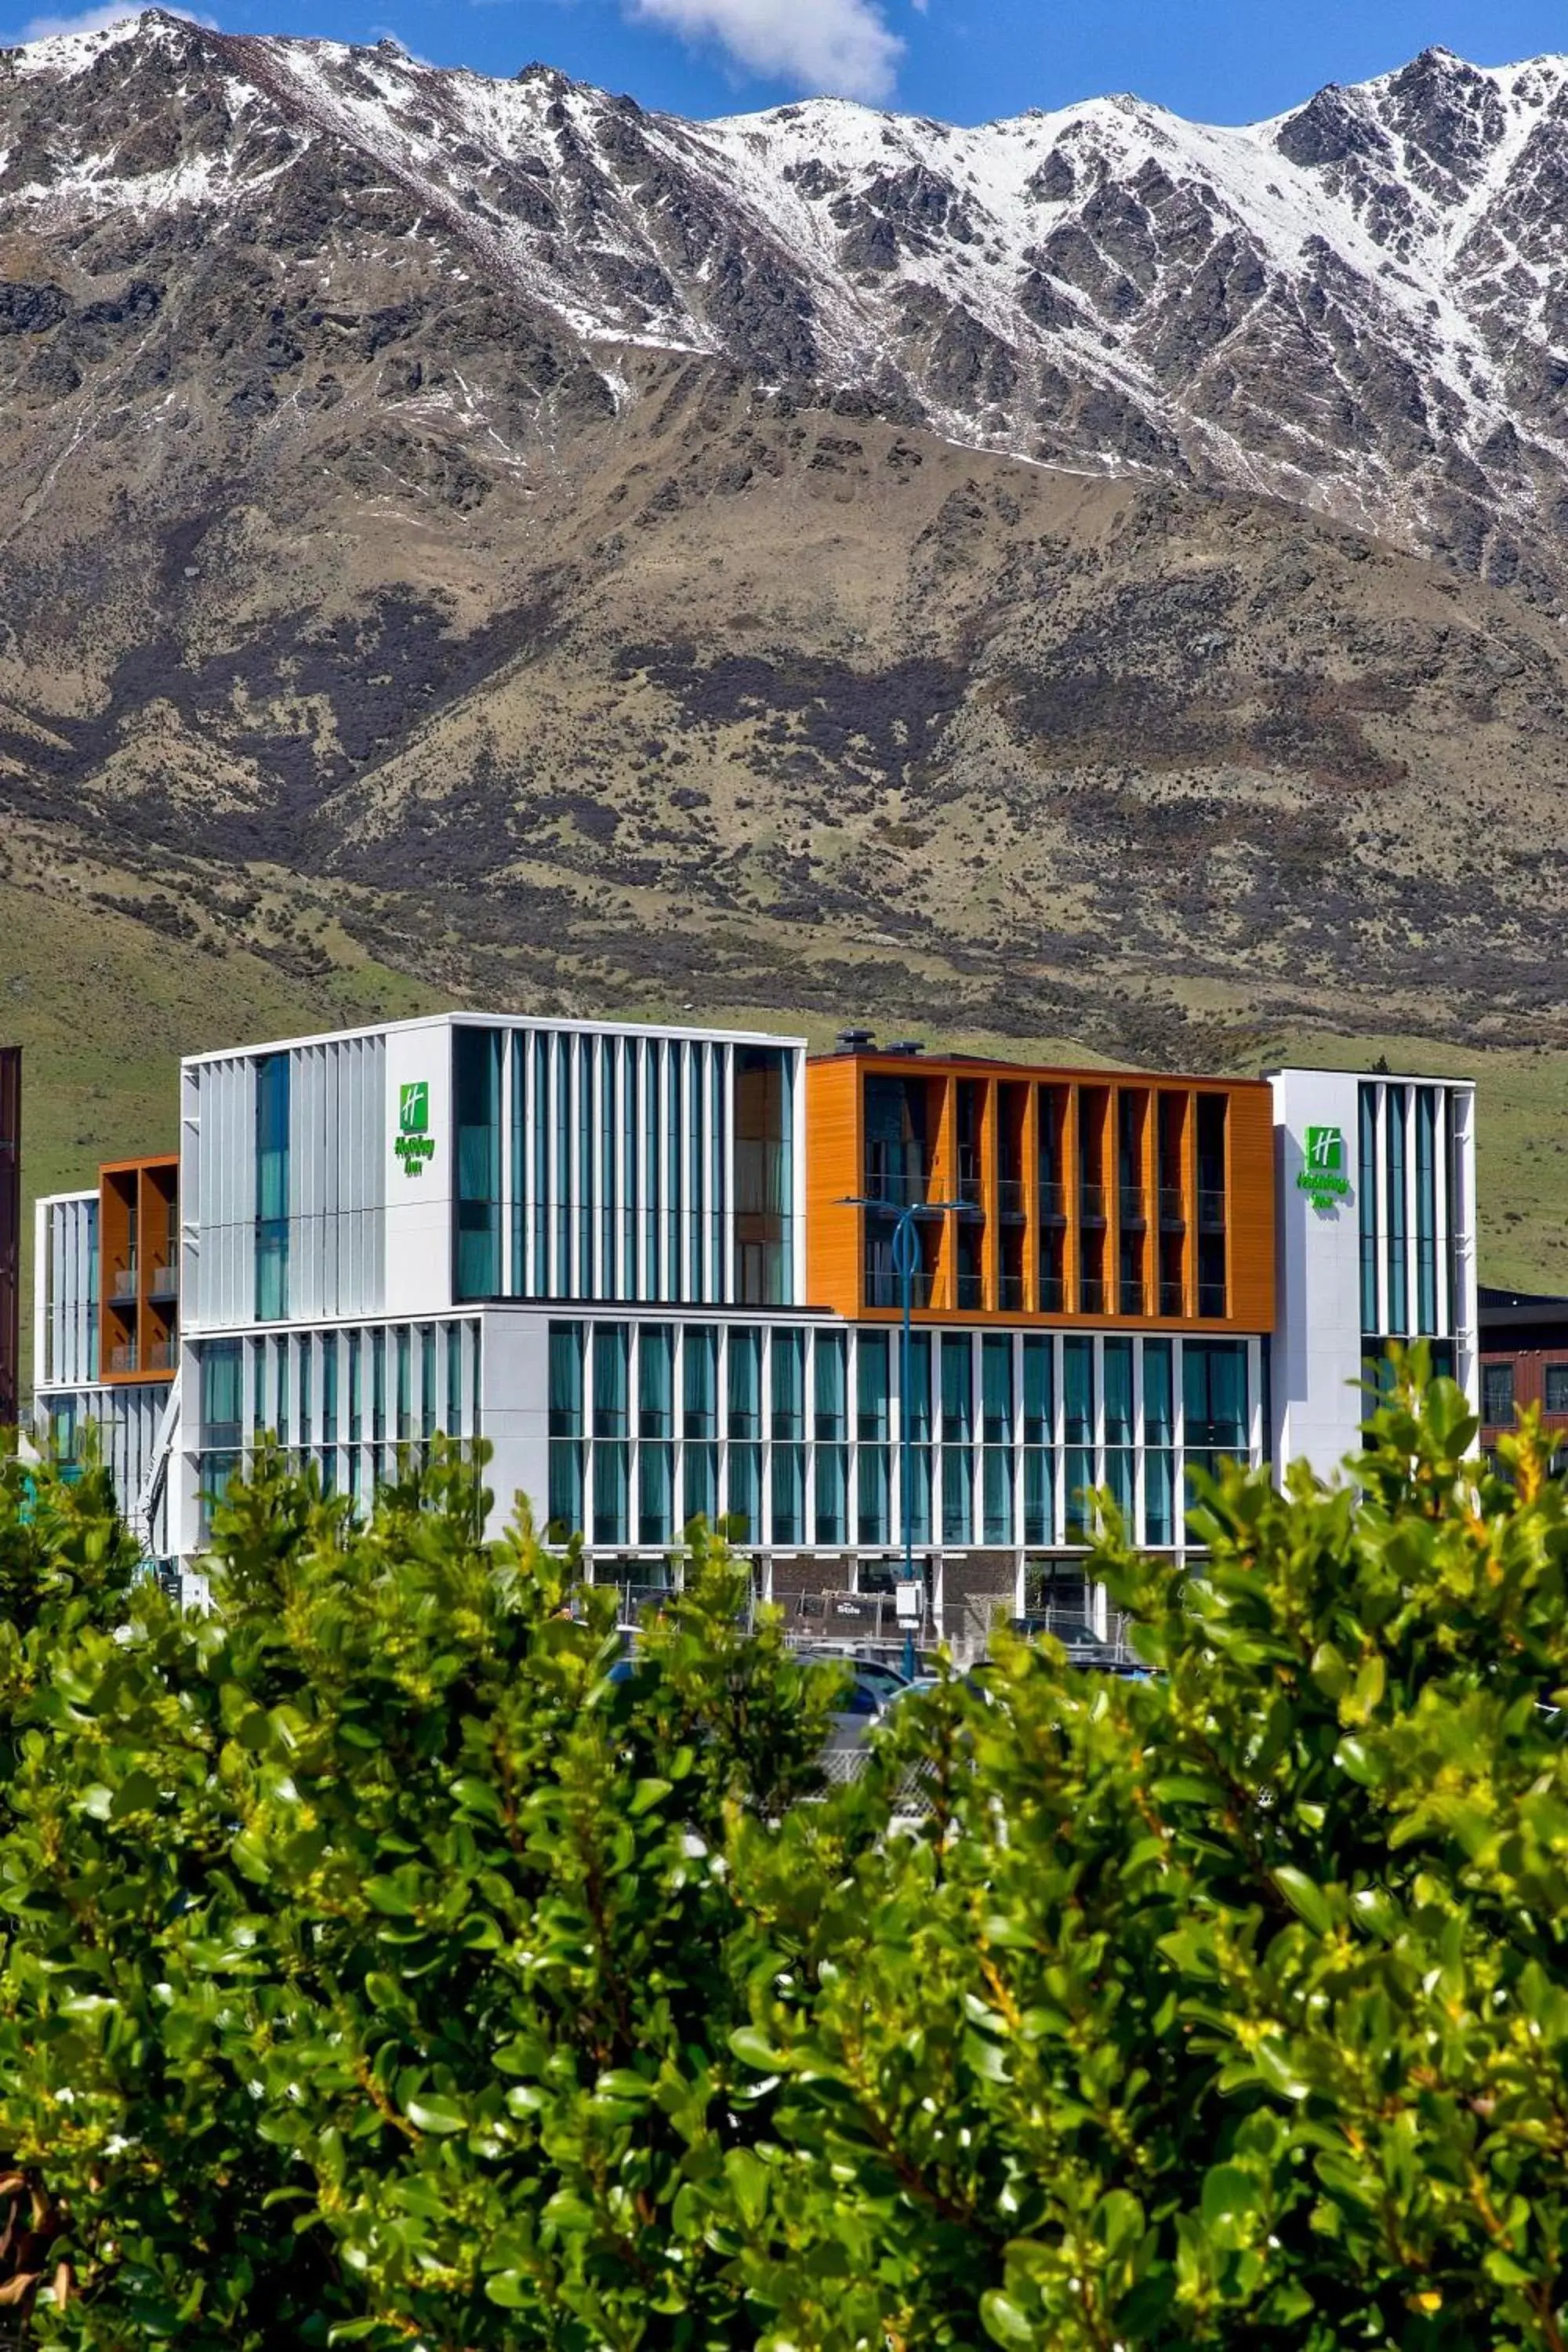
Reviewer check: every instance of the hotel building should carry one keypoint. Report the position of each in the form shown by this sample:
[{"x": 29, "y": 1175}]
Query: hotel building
[{"x": 654, "y": 1268}]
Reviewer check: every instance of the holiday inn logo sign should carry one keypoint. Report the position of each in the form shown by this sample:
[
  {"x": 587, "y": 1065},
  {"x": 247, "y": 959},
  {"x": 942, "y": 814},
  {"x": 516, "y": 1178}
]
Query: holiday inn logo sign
[
  {"x": 1323, "y": 1172},
  {"x": 413, "y": 1143}
]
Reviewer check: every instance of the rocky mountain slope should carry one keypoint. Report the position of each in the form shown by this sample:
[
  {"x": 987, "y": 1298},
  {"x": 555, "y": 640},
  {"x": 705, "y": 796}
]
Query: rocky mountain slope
[{"x": 1093, "y": 577}]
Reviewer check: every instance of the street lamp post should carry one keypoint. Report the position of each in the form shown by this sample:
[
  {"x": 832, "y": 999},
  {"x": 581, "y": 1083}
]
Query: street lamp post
[{"x": 906, "y": 1263}]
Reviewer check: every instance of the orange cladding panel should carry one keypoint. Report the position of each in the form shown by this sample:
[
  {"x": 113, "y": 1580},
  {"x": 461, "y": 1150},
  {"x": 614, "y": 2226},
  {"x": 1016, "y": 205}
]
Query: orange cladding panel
[
  {"x": 833, "y": 1174},
  {"x": 1250, "y": 1208}
]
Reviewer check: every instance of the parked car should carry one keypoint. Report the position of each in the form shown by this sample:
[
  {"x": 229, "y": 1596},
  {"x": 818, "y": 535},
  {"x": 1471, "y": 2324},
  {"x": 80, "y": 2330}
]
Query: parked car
[
  {"x": 884, "y": 1676},
  {"x": 859, "y": 1710}
]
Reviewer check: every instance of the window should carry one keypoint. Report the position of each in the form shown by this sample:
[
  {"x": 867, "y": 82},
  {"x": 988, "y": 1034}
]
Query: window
[
  {"x": 832, "y": 1492},
  {"x": 789, "y": 1494},
  {"x": 404, "y": 1381},
  {"x": 745, "y": 1418},
  {"x": 873, "y": 1513},
  {"x": 476, "y": 1058},
  {"x": 871, "y": 1384},
  {"x": 832, "y": 1407},
  {"x": 272, "y": 1188},
  {"x": 610, "y": 1403},
  {"x": 1398, "y": 1300},
  {"x": 1557, "y": 1388},
  {"x": 329, "y": 1388},
  {"x": 220, "y": 1382},
  {"x": 427, "y": 1380},
  {"x": 764, "y": 1175},
  {"x": 700, "y": 1395},
  {"x": 655, "y": 1370},
  {"x": 1497, "y": 1394},
  {"x": 789, "y": 1384},
  {"x": 745, "y": 1501},
  {"x": 656, "y": 1493},
  {"x": 1426, "y": 1210},
  {"x": 1366, "y": 1205}
]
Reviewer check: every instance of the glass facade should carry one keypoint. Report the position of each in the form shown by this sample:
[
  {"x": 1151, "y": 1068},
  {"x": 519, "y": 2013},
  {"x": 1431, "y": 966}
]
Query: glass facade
[
  {"x": 307, "y": 1389},
  {"x": 623, "y": 1166},
  {"x": 806, "y": 1449}
]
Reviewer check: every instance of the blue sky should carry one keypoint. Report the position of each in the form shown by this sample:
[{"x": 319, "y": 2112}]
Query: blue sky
[{"x": 965, "y": 61}]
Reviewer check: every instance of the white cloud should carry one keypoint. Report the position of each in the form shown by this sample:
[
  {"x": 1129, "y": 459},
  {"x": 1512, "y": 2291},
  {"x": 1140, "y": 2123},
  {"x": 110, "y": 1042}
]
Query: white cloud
[
  {"x": 844, "y": 46},
  {"x": 91, "y": 20},
  {"x": 97, "y": 20}
]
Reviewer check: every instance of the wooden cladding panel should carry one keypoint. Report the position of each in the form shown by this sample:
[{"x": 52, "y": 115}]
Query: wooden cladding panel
[
  {"x": 138, "y": 1321},
  {"x": 834, "y": 1173},
  {"x": 1249, "y": 1189},
  {"x": 1088, "y": 1152}
]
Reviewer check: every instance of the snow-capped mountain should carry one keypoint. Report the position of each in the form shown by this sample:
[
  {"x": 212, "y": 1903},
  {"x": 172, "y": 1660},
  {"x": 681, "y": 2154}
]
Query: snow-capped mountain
[
  {"x": 1361, "y": 307},
  {"x": 1088, "y": 577}
]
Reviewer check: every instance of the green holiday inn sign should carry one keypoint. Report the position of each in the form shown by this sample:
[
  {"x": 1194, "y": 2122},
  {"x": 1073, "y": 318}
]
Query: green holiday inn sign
[
  {"x": 413, "y": 1143},
  {"x": 1322, "y": 1171}
]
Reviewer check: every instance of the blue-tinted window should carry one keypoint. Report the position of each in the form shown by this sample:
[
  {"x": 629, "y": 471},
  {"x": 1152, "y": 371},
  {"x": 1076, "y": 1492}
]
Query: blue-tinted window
[
  {"x": 1214, "y": 1391},
  {"x": 476, "y": 1059},
  {"x": 565, "y": 1380},
  {"x": 1159, "y": 1405},
  {"x": 272, "y": 1188},
  {"x": 1398, "y": 1277},
  {"x": 1038, "y": 1399},
  {"x": 831, "y": 1400},
  {"x": 1427, "y": 1210},
  {"x": 874, "y": 1404},
  {"x": 1119, "y": 1392},
  {"x": 1077, "y": 1390},
  {"x": 1366, "y": 1206},
  {"x": 789, "y": 1384}
]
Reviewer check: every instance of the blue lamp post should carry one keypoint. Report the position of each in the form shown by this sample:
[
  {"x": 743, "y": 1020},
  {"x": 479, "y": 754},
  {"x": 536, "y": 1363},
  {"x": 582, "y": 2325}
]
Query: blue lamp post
[{"x": 906, "y": 1265}]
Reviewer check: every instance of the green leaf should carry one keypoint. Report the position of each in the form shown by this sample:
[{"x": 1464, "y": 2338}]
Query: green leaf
[
  {"x": 1003, "y": 2322},
  {"x": 436, "y": 2114},
  {"x": 1230, "y": 2196},
  {"x": 647, "y": 1794},
  {"x": 137, "y": 1793},
  {"x": 1306, "y": 1898}
]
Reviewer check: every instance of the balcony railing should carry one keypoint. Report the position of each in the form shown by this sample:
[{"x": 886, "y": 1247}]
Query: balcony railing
[
  {"x": 164, "y": 1282},
  {"x": 1211, "y": 1298},
  {"x": 970, "y": 1184},
  {"x": 1053, "y": 1201},
  {"x": 1010, "y": 1293},
  {"x": 123, "y": 1358},
  {"x": 886, "y": 1289},
  {"x": 1131, "y": 1296},
  {"x": 123, "y": 1284},
  {"x": 898, "y": 1186},
  {"x": 1211, "y": 1212},
  {"x": 1172, "y": 1208},
  {"x": 162, "y": 1355},
  {"x": 1053, "y": 1294},
  {"x": 971, "y": 1290},
  {"x": 1172, "y": 1298},
  {"x": 1010, "y": 1196},
  {"x": 1091, "y": 1295},
  {"x": 1133, "y": 1212},
  {"x": 1092, "y": 1204}
]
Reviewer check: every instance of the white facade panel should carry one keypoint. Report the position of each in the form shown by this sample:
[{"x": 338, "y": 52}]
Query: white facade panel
[
  {"x": 217, "y": 1193},
  {"x": 419, "y": 1141}
]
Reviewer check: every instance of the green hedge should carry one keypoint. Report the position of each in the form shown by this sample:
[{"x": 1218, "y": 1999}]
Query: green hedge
[{"x": 380, "y": 1969}]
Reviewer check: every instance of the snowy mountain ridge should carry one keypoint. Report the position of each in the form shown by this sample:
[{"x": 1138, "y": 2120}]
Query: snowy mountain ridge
[{"x": 1360, "y": 306}]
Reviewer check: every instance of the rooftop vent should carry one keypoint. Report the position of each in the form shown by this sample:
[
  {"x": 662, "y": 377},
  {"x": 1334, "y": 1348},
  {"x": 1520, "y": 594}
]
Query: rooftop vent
[
  {"x": 905, "y": 1045},
  {"x": 855, "y": 1041}
]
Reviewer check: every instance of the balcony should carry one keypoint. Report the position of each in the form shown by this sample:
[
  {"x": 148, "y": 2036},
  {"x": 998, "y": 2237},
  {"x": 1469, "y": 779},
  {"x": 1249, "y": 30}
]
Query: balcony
[
  {"x": 162, "y": 1355},
  {"x": 1010, "y": 1293},
  {"x": 164, "y": 1282},
  {"x": 1172, "y": 1298},
  {"x": 1211, "y": 1211},
  {"x": 1091, "y": 1295},
  {"x": 1131, "y": 1296},
  {"x": 1173, "y": 1208},
  {"x": 971, "y": 1186},
  {"x": 124, "y": 1357},
  {"x": 1132, "y": 1209},
  {"x": 885, "y": 1288},
  {"x": 1211, "y": 1298},
  {"x": 1010, "y": 1196},
  {"x": 900, "y": 1186},
  {"x": 1053, "y": 1198},
  {"x": 1092, "y": 1204},
  {"x": 1053, "y": 1294},
  {"x": 971, "y": 1291},
  {"x": 123, "y": 1282}
]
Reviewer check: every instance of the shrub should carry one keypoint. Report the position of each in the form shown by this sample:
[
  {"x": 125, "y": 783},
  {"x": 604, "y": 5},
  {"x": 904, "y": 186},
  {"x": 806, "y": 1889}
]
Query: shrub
[{"x": 382, "y": 1967}]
